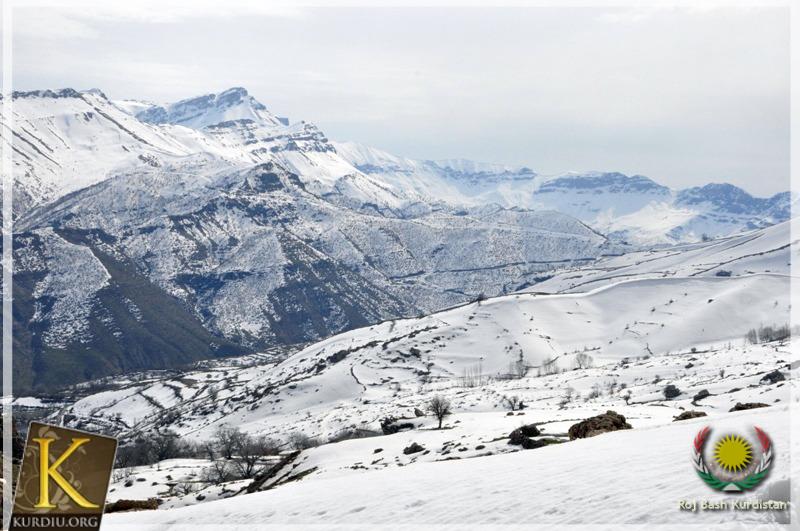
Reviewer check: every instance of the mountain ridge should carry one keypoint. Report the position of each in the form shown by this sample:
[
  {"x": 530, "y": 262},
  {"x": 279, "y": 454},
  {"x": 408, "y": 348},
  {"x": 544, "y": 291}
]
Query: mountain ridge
[{"x": 267, "y": 234}]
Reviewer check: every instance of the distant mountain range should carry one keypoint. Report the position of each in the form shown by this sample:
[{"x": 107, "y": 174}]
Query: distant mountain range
[
  {"x": 151, "y": 235},
  {"x": 632, "y": 209}
]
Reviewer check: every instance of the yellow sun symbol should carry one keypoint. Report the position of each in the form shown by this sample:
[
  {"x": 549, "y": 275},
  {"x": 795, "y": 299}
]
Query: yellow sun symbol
[{"x": 733, "y": 453}]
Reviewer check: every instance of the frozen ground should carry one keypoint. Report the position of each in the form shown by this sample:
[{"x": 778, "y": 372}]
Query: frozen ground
[
  {"x": 628, "y": 477},
  {"x": 635, "y": 476}
]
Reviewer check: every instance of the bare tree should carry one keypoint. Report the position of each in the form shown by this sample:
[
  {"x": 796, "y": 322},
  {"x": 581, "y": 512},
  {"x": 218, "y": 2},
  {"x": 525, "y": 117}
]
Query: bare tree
[
  {"x": 440, "y": 407},
  {"x": 251, "y": 451},
  {"x": 513, "y": 402},
  {"x": 207, "y": 448},
  {"x": 583, "y": 361},
  {"x": 627, "y": 397},
  {"x": 549, "y": 366},
  {"x": 596, "y": 392},
  {"x": 519, "y": 368},
  {"x": 218, "y": 472},
  {"x": 301, "y": 441},
  {"x": 569, "y": 395},
  {"x": 473, "y": 376},
  {"x": 184, "y": 488},
  {"x": 165, "y": 445},
  {"x": 228, "y": 440}
]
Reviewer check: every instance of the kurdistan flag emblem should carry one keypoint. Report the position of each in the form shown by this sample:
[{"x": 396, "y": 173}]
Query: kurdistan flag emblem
[{"x": 736, "y": 464}]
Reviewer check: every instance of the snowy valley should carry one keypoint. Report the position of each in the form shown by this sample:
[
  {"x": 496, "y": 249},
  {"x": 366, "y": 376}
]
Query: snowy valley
[
  {"x": 236, "y": 230},
  {"x": 382, "y": 339},
  {"x": 653, "y": 336}
]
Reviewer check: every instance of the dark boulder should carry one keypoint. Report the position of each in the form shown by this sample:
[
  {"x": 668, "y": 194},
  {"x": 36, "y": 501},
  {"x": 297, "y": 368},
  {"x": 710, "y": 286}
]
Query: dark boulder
[
  {"x": 390, "y": 425},
  {"x": 773, "y": 377},
  {"x": 149, "y": 504},
  {"x": 686, "y": 415},
  {"x": 701, "y": 394},
  {"x": 608, "y": 421},
  {"x": 748, "y": 405},
  {"x": 418, "y": 412},
  {"x": 518, "y": 436},
  {"x": 413, "y": 449},
  {"x": 671, "y": 391}
]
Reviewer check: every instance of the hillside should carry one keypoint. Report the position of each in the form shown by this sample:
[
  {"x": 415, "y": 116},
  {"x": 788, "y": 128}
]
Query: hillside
[
  {"x": 649, "y": 465},
  {"x": 647, "y": 335},
  {"x": 316, "y": 389},
  {"x": 256, "y": 232},
  {"x": 758, "y": 251}
]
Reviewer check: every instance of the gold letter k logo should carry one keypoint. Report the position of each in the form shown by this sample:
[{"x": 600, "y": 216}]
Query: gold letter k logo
[{"x": 48, "y": 471}]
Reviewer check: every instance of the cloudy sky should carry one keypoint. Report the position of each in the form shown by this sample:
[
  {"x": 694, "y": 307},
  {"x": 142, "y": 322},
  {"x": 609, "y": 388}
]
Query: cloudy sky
[{"x": 685, "y": 96}]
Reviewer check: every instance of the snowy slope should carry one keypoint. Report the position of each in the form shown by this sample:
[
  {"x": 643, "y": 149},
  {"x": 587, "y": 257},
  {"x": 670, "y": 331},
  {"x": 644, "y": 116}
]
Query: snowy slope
[
  {"x": 727, "y": 374},
  {"x": 760, "y": 251},
  {"x": 66, "y": 140},
  {"x": 659, "y": 307},
  {"x": 315, "y": 388},
  {"x": 564, "y": 484}
]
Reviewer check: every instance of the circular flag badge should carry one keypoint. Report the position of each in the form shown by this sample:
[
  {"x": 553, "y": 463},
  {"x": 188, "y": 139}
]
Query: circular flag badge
[{"x": 739, "y": 466}]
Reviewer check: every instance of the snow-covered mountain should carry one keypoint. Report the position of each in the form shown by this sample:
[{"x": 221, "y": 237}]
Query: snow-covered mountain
[
  {"x": 260, "y": 260},
  {"x": 375, "y": 283},
  {"x": 633, "y": 209},
  {"x": 261, "y": 231},
  {"x": 615, "y": 335},
  {"x": 371, "y": 373},
  {"x": 196, "y": 113},
  {"x": 640, "y": 211},
  {"x": 66, "y": 140},
  {"x": 264, "y": 232}
]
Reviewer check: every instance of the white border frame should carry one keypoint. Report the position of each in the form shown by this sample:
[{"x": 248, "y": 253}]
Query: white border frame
[{"x": 7, "y": 180}]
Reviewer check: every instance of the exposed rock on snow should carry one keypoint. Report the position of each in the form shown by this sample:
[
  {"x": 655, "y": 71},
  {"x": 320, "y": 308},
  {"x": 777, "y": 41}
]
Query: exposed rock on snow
[
  {"x": 749, "y": 405},
  {"x": 413, "y": 448},
  {"x": 773, "y": 377},
  {"x": 608, "y": 421},
  {"x": 686, "y": 415}
]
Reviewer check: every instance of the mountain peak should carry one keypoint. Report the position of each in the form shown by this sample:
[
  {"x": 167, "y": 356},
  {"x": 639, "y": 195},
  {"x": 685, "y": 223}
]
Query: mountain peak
[
  {"x": 236, "y": 96},
  {"x": 731, "y": 198},
  {"x": 95, "y": 92},
  {"x": 210, "y": 109}
]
